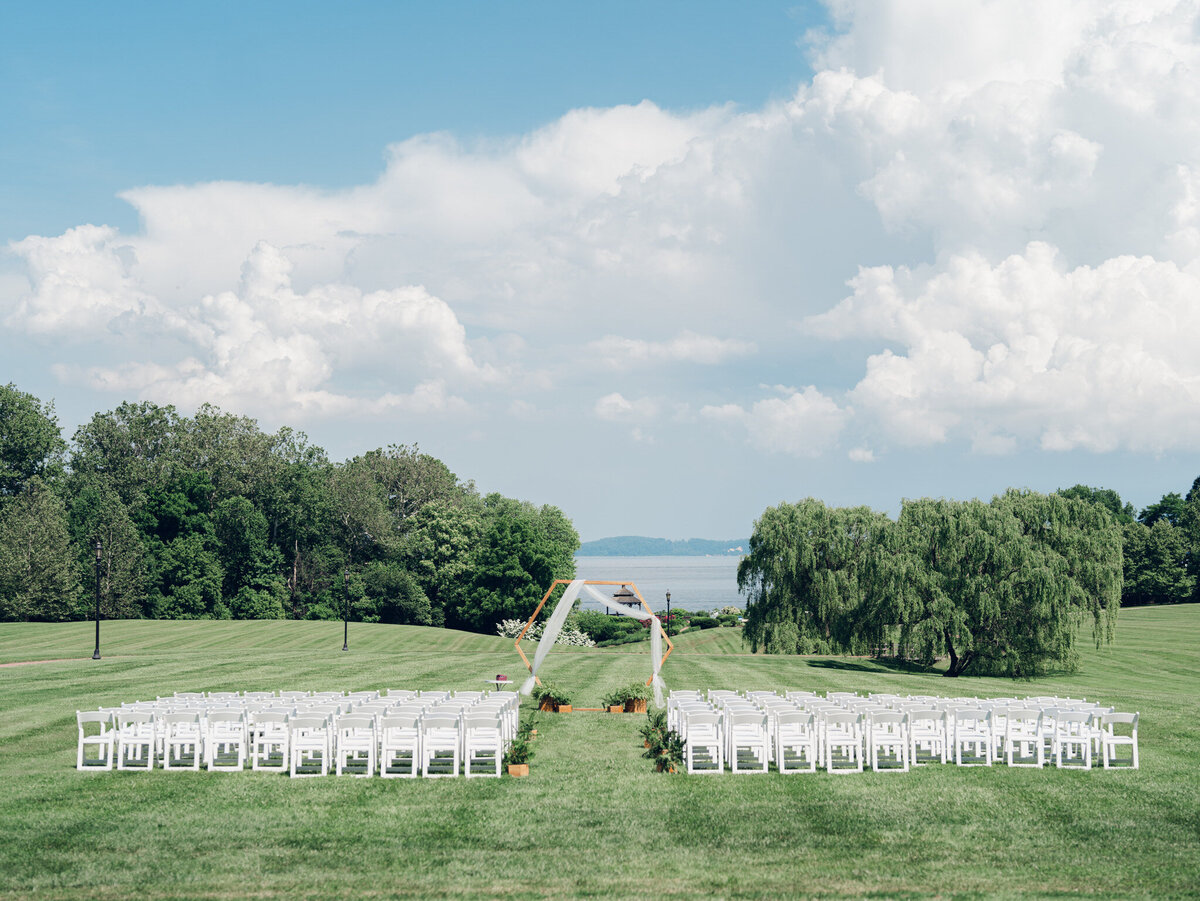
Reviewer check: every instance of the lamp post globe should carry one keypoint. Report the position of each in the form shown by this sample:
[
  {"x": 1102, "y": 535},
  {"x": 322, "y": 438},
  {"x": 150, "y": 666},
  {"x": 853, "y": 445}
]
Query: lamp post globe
[
  {"x": 99, "y": 548},
  {"x": 346, "y": 608}
]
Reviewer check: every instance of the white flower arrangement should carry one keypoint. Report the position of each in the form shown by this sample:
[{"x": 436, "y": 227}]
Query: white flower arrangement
[{"x": 511, "y": 628}]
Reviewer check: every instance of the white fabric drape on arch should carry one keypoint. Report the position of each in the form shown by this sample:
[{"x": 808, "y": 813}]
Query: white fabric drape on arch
[{"x": 563, "y": 607}]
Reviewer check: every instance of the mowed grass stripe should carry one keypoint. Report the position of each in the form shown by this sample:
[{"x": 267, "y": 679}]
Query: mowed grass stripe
[{"x": 568, "y": 828}]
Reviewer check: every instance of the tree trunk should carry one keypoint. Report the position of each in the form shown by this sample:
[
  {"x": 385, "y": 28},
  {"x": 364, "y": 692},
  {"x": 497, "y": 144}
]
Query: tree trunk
[{"x": 956, "y": 664}]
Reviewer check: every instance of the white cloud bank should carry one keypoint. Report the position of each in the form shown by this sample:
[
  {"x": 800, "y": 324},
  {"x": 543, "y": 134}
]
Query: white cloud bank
[{"x": 1015, "y": 184}]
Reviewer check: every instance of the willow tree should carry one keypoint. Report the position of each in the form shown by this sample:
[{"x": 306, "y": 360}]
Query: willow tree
[
  {"x": 803, "y": 578},
  {"x": 1000, "y": 587}
]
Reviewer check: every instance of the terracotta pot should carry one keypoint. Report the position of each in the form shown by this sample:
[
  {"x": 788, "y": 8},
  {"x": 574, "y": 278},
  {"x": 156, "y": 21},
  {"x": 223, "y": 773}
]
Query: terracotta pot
[
  {"x": 615, "y": 708},
  {"x": 635, "y": 706},
  {"x": 546, "y": 705},
  {"x": 645, "y": 744},
  {"x": 518, "y": 769},
  {"x": 563, "y": 708},
  {"x": 532, "y": 734}
]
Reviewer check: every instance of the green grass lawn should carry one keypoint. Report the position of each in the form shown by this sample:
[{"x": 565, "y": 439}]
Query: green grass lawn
[{"x": 592, "y": 819}]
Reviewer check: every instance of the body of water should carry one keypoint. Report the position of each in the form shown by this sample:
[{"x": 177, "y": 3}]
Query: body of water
[{"x": 695, "y": 583}]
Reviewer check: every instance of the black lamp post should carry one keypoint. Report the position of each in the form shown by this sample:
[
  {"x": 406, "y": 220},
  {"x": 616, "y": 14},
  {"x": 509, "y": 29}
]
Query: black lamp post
[
  {"x": 668, "y": 612},
  {"x": 99, "y": 548},
  {"x": 346, "y": 620}
]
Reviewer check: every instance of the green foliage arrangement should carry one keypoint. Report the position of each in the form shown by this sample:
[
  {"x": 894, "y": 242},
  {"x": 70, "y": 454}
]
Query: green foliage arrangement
[
  {"x": 520, "y": 750},
  {"x": 554, "y": 695},
  {"x": 664, "y": 746}
]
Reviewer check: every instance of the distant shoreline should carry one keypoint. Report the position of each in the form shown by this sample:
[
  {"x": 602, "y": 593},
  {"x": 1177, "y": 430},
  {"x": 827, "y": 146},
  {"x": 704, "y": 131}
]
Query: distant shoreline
[{"x": 639, "y": 546}]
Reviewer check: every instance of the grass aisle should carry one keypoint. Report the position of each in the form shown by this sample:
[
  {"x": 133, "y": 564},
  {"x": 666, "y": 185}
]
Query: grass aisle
[{"x": 592, "y": 818}]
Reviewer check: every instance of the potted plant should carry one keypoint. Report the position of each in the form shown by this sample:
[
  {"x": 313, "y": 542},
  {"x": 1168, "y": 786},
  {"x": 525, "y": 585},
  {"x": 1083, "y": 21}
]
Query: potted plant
[
  {"x": 614, "y": 701},
  {"x": 519, "y": 751},
  {"x": 664, "y": 746},
  {"x": 635, "y": 696},
  {"x": 551, "y": 698},
  {"x": 517, "y": 757}
]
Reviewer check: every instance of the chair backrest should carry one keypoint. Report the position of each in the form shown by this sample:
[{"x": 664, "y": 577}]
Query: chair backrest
[
  {"x": 794, "y": 718},
  {"x": 103, "y": 717},
  {"x": 1126, "y": 719},
  {"x": 435, "y": 720},
  {"x": 307, "y": 723},
  {"x": 887, "y": 718},
  {"x": 130, "y": 717},
  {"x": 482, "y": 719},
  {"x": 351, "y": 722},
  {"x": 225, "y": 716},
  {"x": 842, "y": 718},
  {"x": 180, "y": 718},
  {"x": 400, "y": 719},
  {"x": 269, "y": 716}
]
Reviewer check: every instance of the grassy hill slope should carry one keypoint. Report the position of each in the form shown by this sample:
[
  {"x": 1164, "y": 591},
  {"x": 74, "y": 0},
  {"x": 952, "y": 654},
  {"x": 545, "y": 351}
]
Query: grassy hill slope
[{"x": 937, "y": 830}]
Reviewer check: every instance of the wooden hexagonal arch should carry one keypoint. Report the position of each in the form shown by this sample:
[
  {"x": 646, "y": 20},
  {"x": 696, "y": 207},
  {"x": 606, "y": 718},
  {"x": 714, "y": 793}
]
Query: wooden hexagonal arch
[{"x": 630, "y": 585}]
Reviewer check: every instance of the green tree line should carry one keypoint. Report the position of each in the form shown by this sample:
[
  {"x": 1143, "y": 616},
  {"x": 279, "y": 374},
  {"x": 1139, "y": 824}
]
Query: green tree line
[
  {"x": 208, "y": 516},
  {"x": 996, "y": 588}
]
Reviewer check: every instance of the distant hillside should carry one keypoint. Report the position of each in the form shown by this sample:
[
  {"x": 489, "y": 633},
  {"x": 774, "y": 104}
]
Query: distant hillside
[{"x": 638, "y": 546}]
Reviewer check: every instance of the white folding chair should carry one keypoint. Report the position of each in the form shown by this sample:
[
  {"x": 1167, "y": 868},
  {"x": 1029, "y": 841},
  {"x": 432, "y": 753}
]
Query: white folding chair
[
  {"x": 1073, "y": 739},
  {"x": 135, "y": 739},
  {"x": 355, "y": 744},
  {"x": 309, "y": 745},
  {"x": 269, "y": 741},
  {"x": 842, "y": 738},
  {"x": 747, "y": 732},
  {"x": 1111, "y": 739},
  {"x": 95, "y": 734},
  {"x": 400, "y": 738},
  {"x": 703, "y": 731},
  {"x": 927, "y": 733},
  {"x": 972, "y": 728},
  {"x": 225, "y": 741},
  {"x": 440, "y": 735},
  {"x": 887, "y": 737},
  {"x": 483, "y": 740},
  {"x": 183, "y": 740},
  {"x": 796, "y": 731},
  {"x": 1023, "y": 737}
]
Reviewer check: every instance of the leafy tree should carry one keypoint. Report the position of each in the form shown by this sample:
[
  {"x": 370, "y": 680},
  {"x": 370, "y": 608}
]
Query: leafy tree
[
  {"x": 1169, "y": 508},
  {"x": 38, "y": 579},
  {"x": 1156, "y": 564},
  {"x": 133, "y": 445},
  {"x": 190, "y": 580},
  {"x": 804, "y": 569},
  {"x": 248, "y": 558},
  {"x": 31, "y": 445},
  {"x": 362, "y": 525},
  {"x": 238, "y": 457},
  {"x": 409, "y": 479},
  {"x": 1122, "y": 512},
  {"x": 96, "y": 511},
  {"x": 265, "y": 603},
  {"x": 511, "y": 573},
  {"x": 390, "y": 594},
  {"x": 439, "y": 551},
  {"x": 1001, "y": 587}
]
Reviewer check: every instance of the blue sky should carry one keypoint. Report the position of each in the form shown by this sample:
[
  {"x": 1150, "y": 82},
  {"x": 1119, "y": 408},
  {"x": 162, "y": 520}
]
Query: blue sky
[{"x": 660, "y": 264}]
